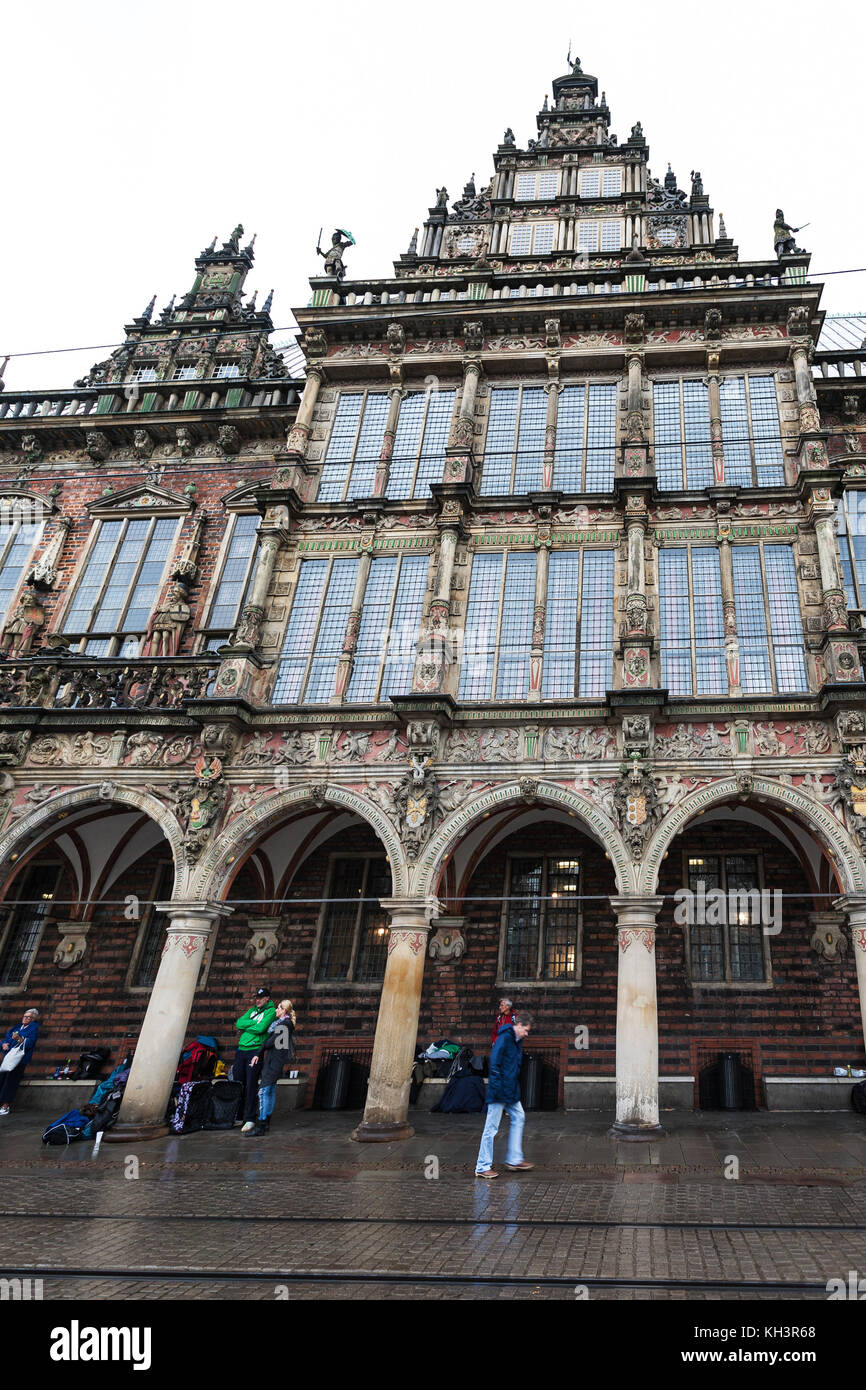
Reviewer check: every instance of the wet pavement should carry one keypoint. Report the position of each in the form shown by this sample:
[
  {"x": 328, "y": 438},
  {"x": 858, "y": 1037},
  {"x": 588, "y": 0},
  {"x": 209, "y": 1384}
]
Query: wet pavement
[{"x": 726, "y": 1206}]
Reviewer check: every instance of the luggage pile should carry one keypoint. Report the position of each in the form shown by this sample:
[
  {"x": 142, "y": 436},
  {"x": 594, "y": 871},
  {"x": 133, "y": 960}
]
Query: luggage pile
[{"x": 100, "y": 1112}]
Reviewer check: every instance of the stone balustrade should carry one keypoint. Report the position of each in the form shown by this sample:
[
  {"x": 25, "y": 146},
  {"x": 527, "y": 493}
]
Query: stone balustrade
[
  {"x": 87, "y": 683},
  {"x": 148, "y": 398}
]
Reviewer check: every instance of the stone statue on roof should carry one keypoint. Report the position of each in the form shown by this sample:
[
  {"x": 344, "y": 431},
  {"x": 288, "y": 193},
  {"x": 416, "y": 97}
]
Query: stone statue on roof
[
  {"x": 234, "y": 241},
  {"x": 334, "y": 254},
  {"x": 783, "y": 236}
]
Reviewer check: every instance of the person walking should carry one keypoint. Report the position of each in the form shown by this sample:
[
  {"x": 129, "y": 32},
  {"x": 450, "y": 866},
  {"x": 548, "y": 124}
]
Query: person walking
[
  {"x": 504, "y": 1017},
  {"x": 18, "y": 1041},
  {"x": 277, "y": 1049},
  {"x": 253, "y": 1029},
  {"x": 503, "y": 1093}
]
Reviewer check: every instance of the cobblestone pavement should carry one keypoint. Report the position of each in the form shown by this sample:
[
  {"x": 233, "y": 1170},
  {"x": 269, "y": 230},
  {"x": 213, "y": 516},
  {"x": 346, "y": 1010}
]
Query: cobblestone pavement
[{"x": 305, "y": 1213}]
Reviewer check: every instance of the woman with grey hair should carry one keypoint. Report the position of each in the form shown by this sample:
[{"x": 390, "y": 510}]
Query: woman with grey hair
[{"x": 18, "y": 1042}]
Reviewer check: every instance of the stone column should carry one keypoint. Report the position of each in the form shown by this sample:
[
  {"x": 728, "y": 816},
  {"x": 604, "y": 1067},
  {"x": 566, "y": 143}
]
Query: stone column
[
  {"x": 637, "y": 1041},
  {"x": 458, "y": 456},
  {"x": 159, "y": 1045},
  {"x": 435, "y": 646},
  {"x": 635, "y": 644},
  {"x": 386, "y": 1111},
  {"x": 729, "y": 608},
  {"x": 353, "y": 626},
  {"x": 300, "y": 432},
  {"x": 383, "y": 467},
  {"x": 855, "y": 907}
]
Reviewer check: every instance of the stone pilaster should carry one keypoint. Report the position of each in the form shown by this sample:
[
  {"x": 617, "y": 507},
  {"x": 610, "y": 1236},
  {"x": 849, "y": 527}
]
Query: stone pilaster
[
  {"x": 715, "y": 404},
  {"x": 299, "y": 434},
  {"x": 383, "y": 467},
  {"x": 553, "y": 389},
  {"x": 637, "y": 1043},
  {"x": 353, "y": 627},
  {"x": 435, "y": 652},
  {"x": 165, "y": 1023},
  {"x": 543, "y": 541},
  {"x": 459, "y": 456},
  {"x": 840, "y": 653},
  {"x": 387, "y": 1108},
  {"x": 729, "y": 607},
  {"x": 855, "y": 908},
  {"x": 635, "y": 644}
]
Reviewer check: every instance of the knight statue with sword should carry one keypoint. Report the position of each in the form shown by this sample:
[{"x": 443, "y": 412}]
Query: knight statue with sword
[{"x": 334, "y": 254}]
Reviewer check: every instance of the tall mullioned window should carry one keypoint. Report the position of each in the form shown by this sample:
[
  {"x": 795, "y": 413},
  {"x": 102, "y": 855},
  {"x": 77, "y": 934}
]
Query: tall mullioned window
[
  {"x": 604, "y": 235},
  {"x": 498, "y": 635},
  {"x": 578, "y": 633},
  {"x": 19, "y": 534},
  {"x": 585, "y": 453},
  {"x": 386, "y": 646},
  {"x": 533, "y": 238},
  {"x": 751, "y": 432},
  {"x": 541, "y": 921},
  {"x": 530, "y": 187},
  {"x": 234, "y": 579},
  {"x": 354, "y": 928},
  {"x": 25, "y": 923},
  {"x": 354, "y": 446},
  {"x": 769, "y": 621},
  {"x": 120, "y": 585},
  {"x": 851, "y": 529},
  {"x": 585, "y": 456},
  {"x": 691, "y": 622},
  {"x": 735, "y": 949},
  {"x": 419, "y": 443},
  {"x": 600, "y": 183},
  {"x": 681, "y": 411}
]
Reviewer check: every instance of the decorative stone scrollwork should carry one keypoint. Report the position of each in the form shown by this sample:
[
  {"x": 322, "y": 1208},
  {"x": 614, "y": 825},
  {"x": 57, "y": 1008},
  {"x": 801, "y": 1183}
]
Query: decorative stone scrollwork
[
  {"x": 417, "y": 800},
  {"x": 850, "y": 784}
]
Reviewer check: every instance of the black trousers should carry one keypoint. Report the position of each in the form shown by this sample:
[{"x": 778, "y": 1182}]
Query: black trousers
[{"x": 244, "y": 1071}]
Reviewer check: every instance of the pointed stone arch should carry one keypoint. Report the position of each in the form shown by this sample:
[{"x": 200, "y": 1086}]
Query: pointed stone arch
[
  {"x": 208, "y": 880},
  {"x": 426, "y": 871},
  {"x": 817, "y": 818},
  {"x": 41, "y": 817}
]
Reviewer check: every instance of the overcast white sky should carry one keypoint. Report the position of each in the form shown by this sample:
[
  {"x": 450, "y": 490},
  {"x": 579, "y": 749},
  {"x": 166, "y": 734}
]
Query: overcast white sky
[{"x": 134, "y": 134}]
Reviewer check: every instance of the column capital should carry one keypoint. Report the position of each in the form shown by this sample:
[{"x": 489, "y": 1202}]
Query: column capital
[
  {"x": 636, "y": 912},
  {"x": 854, "y": 904},
  {"x": 210, "y": 911},
  {"x": 414, "y": 913}
]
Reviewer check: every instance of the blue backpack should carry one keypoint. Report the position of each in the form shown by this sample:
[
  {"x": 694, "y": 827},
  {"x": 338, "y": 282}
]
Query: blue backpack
[{"x": 68, "y": 1128}]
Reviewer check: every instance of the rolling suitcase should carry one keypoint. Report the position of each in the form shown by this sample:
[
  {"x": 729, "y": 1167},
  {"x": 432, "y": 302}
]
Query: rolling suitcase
[
  {"x": 191, "y": 1107},
  {"x": 223, "y": 1104}
]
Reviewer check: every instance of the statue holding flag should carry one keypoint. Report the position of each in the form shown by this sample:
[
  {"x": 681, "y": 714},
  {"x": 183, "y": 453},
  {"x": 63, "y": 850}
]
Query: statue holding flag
[{"x": 334, "y": 254}]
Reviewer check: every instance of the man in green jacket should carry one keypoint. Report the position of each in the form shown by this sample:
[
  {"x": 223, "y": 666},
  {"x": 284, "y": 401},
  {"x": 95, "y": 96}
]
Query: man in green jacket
[{"x": 253, "y": 1026}]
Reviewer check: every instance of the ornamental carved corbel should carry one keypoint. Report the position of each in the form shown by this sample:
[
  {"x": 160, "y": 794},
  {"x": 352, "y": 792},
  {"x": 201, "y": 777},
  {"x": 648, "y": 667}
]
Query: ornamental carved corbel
[
  {"x": 98, "y": 445},
  {"x": 265, "y": 940},
  {"x": 447, "y": 942},
  {"x": 828, "y": 938},
  {"x": 473, "y": 336},
  {"x": 72, "y": 945},
  {"x": 43, "y": 575},
  {"x": 635, "y": 328},
  {"x": 229, "y": 440}
]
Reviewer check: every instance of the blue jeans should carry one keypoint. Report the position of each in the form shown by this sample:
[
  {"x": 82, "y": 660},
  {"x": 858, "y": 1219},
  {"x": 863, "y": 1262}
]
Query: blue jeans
[
  {"x": 516, "y": 1118},
  {"x": 267, "y": 1100}
]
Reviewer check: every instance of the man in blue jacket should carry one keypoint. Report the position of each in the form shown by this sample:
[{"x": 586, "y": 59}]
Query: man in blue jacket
[{"x": 503, "y": 1093}]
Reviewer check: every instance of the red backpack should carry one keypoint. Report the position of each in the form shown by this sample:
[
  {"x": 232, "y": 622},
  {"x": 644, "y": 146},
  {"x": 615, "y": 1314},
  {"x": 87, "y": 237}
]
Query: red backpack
[{"x": 197, "y": 1063}]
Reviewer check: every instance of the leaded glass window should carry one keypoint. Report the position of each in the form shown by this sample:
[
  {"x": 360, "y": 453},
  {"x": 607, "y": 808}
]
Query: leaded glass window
[
  {"x": 234, "y": 579},
  {"x": 681, "y": 412},
  {"x": 355, "y": 446},
  {"x": 851, "y": 528},
  {"x": 751, "y": 433},
  {"x": 355, "y": 928},
  {"x": 19, "y": 535},
  {"x": 514, "y": 447},
  {"x": 151, "y": 937},
  {"x": 691, "y": 621},
  {"x": 24, "y": 925},
  {"x": 420, "y": 441},
  {"x": 585, "y": 455},
  {"x": 529, "y": 187},
  {"x": 769, "y": 621},
  {"x": 498, "y": 634},
  {"x": 316, "y": 630},
  {"x": 535, "y": 238},
  {"x": 600, "y": 183},
  {"x": 604, "y": 235},
  {"x": 120, "y": 585},
  {"x": 726, "y": 941},
  {"x": 541, "y": 929},
  {"x": 386, "y": 644},
  {"x": 578, "y": 631}
]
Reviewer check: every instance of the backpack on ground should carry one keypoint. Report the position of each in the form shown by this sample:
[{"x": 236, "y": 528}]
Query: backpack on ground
[
  {"x": 224, "y": 1104},
  {"x": 90, "y": 1063},
  {"x": 191, "y": 1107},
  {"x": 197, "y": 1062},
  {"x": 858, "y": 1097},
  {"x": 67, "y": 1129}
]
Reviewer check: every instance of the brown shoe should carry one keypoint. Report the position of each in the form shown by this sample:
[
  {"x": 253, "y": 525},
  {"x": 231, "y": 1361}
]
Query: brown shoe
[
  {"x": 520, "y": 1167},
  {"x": 490, "y": 1173}
]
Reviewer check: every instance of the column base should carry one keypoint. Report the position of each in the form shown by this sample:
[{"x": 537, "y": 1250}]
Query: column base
[
  {"x": 382, "y": 1132},
  {"x": 125, "y": 1134},
  {"x": 636, "y": 1134}
]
